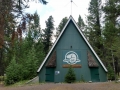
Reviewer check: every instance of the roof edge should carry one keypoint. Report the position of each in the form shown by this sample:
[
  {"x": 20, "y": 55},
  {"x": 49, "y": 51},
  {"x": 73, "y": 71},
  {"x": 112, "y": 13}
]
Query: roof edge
[
  {"x": 89, "y": 45},
  {"x": 54, "y": 44},
  {"x": 71, "y": 18}
]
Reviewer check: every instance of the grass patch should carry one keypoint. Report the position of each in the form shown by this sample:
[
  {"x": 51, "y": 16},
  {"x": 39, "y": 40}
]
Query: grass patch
[
  {"x": 2, "y": 78},
  {"x": 21, "y": 83}
]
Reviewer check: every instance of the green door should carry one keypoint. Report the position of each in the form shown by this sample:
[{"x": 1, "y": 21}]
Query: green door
[
  {"x": 49, "y": 75},
  {"x": 94, "y": 75}
]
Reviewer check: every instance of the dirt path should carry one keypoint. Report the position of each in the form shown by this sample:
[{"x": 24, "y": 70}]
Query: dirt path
[{"x": 58, "y": 86}]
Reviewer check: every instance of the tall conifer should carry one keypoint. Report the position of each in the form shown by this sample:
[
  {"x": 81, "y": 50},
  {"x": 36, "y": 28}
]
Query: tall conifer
[
  {"x": 94, "y": 26},
  {"x": 48, "y": 32}
]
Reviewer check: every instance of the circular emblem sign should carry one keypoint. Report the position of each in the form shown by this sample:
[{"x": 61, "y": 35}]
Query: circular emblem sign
[{"x": 71, "y": 57}]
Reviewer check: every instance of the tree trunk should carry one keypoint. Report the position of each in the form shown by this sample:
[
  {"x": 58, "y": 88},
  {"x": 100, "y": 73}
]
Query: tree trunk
[{"x": 2, "y": 23}]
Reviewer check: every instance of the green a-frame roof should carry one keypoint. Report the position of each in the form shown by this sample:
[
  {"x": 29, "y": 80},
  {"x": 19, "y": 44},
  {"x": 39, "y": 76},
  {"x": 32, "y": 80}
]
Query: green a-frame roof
[{"x": 71, "y": 19}]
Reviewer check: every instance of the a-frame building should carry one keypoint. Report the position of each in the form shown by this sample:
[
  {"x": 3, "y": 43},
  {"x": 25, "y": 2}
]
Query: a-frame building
[{"x": 72, "y": 48}]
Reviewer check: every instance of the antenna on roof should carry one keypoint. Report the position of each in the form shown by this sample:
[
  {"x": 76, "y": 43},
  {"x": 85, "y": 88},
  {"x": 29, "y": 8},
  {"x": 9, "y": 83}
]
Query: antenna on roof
[{"x": 71, "y": 5}]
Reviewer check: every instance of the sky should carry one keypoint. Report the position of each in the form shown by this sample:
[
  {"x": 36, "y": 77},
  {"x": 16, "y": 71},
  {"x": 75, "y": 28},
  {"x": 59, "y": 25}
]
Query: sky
[{"x": 59, "y": 9}]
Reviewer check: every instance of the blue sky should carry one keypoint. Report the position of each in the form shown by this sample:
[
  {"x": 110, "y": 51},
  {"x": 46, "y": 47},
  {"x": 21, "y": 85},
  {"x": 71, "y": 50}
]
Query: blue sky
[{"x": 59, "y": 9}]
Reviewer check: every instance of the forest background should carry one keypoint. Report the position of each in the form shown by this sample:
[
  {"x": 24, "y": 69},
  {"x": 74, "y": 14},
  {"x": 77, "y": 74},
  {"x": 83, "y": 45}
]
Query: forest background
[{"x": 24, "y": 44}]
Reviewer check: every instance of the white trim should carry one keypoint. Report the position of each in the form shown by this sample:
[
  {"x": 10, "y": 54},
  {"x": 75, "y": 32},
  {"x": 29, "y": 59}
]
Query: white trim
[
  {"x": 53, "y": 46},
  {"x": 89, "y": 45},
  {"x": 71, "y": 18}
]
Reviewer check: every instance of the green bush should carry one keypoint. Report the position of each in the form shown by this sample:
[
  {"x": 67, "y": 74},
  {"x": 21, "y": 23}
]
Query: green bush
[
  {"x": 31, "y": 64},
  {"x": 24, "y": 69},
  {"x": 1, "y": 78},
  {"x": 70, "y": 76},
  {"x": 13, "y": 73},
  {"x": 111, "y": 75}
]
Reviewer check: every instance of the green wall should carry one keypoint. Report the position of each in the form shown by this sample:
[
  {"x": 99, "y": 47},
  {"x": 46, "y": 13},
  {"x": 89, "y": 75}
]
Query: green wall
[{"x": 72, "y": 37}]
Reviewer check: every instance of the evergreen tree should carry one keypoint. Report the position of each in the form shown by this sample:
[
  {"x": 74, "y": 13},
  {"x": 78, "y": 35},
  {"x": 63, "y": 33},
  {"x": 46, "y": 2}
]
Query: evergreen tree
[
  {"x": 31, "y": 64},
  {"x": 48, "y": 32},
  {"x": 13, "y": 72},
  {"x": 111, "y": 31},
  {"x": 28, "y": 53},
  {"x": 11, "y": 11},
  {"x": 94, "y": 27},
  {"x": 40, "y": 54},
  {"x": 81, "y": 23},
  {"x": 110, "y": 72},
  {"x": 111, "y": 10},
  {"x": 7, "y": 24},
  {"x": 41, "y": 1},
  {"x": 70, "y": 76},
  {"x": 61, "y": 26},
  {"x": 32, "y": 47}
]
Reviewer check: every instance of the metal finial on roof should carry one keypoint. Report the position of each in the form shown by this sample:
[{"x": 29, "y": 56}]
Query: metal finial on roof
[{"x": 71, "y": 7}]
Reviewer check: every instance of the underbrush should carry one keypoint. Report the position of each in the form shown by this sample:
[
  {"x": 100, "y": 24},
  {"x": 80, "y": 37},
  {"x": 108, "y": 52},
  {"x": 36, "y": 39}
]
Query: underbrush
[{"x": 2, "y": 79}]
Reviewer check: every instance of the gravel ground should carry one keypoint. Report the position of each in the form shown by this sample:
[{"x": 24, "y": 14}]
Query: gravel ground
[{"x": 64, "y": 86}]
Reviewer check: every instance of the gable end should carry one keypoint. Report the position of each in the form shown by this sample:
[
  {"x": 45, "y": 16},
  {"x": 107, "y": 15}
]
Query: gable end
[{"x": 80, "y": 32}]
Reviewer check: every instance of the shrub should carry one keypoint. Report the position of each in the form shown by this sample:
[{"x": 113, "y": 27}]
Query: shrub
[
  {"x": 70, "y": 76},
  {"x": 1, "y": 78},
  {"x": 13, "y": 73},
  {"x": 111, "y": 75}
]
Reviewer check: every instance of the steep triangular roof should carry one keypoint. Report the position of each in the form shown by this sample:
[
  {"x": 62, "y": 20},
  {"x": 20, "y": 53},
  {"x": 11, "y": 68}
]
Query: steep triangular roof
[{"x": 71, "y": 19}]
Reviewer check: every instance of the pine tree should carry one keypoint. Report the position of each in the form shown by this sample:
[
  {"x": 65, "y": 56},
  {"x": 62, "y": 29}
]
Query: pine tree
[
  {"x": 61, "y": 26},
  {"x": 31, "y": 64},
  {"x": 110, "y": 72},
  {"x": 81, "y": 23},
  {"x": 70, "y": 76},
  {"x": 28, "y": 53},
  {"x": 7, "y": 24},
  {"x": 11, "y": 11},
  {"x": 39, "y": 51},
  {"x": 48, "y": 32},
  {"x": 13, "y": 72},
  {"x": 94, "y": 27},
  {"x": 111, "y": 32},
  {"x": 32, "y": 48}
]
